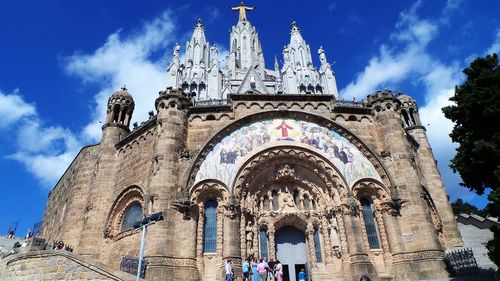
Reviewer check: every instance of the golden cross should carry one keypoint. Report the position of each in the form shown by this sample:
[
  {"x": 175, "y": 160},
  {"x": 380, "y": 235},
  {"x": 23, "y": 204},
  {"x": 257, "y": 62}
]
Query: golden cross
[{"x": 243, "y": 11}]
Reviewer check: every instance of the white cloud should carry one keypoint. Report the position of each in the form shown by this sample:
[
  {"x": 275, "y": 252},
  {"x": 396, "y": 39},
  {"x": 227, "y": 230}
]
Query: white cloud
[
  {"x": 393, "y": 65},
  {"x": 125, "y": 61},
  {"x": 413, "y": 63},
  {"x": 45, "y": 151},
  {"x": 495, "y": 47},
  {"x": 13, "y": 108}
]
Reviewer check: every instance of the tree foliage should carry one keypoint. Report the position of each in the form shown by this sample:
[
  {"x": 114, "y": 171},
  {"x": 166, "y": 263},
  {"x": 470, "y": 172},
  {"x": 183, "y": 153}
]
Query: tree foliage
[
  {"x": 476, "y": 114},
  {"x": 461, "y": 207}
]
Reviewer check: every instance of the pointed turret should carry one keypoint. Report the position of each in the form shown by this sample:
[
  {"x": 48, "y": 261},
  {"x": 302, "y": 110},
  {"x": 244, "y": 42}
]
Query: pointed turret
[
  {"x": 194, "y": 73},
  {"x": 246, "y": 50},
  {"x": 326, "y": 75},
  {"x": 299, "y": 74},
  {"x": 174, "y": 70}
]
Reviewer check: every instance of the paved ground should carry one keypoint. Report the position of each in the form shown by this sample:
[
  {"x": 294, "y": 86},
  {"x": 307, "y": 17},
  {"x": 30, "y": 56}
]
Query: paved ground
[{"x": 483, "y": 275}]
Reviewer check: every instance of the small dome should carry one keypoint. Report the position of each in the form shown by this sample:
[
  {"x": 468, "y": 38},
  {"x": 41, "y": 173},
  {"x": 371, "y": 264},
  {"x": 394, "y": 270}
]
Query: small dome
[
  {"x": 405, "y": 98},
  {"x": 123, "y": 92}
]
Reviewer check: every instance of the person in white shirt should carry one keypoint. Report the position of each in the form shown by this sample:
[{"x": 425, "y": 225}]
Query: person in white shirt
[{"x": 229, "y": 270}]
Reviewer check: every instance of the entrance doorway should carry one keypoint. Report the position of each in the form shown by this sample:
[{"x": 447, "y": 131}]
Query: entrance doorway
[{"x": 291, "y": 251}]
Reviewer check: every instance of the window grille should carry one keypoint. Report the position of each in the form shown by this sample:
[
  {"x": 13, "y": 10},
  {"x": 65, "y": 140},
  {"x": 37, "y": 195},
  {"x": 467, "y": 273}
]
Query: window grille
[
  {"x": 263, "y": 243},
  {"x": 317, "y": 245},
  {"x": 132, "y": 215},
  {"x": 210, "y": 227},
  {"x": 370, "y": 224}
]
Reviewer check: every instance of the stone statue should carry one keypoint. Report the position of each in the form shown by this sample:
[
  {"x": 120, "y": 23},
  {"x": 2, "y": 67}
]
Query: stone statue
[
  {"x": 176, "y": 52},
  {"x": 214, "y": 56},
  {"x": 249, "y": 237},
  {"x": 286, "y": 56},
  {"x": 287, "y": 202},
  {"x": 334, "y": 237},
  {"x": 242, "y": 9},
  {"x": 322, "y": 56}
]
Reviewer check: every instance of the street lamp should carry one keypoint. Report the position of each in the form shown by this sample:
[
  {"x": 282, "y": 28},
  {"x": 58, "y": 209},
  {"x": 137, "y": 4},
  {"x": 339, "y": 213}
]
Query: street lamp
[{"x": 146, "y": 221}]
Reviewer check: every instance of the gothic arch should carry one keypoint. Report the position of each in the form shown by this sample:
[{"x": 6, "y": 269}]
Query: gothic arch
[
  {"x": 129, "y": 196},
  {"x": 370, "y": 187},
  {"x": 207, "y": 190},
  {"x": 216, "y": 138}
]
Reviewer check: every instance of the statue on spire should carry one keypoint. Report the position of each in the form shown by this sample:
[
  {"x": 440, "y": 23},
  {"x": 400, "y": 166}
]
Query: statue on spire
[{"x": 243, "y": 10}]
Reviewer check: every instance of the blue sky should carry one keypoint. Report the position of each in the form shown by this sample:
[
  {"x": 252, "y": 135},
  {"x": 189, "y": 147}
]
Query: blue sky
[{"x": 60, "y": 61}]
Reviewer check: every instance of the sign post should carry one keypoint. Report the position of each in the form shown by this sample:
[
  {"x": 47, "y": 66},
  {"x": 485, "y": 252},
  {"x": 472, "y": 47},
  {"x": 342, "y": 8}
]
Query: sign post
[{"x": 151, "y": 219}]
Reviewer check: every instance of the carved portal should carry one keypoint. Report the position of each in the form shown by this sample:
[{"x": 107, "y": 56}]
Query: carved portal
[{"x": 287, "y": 186}]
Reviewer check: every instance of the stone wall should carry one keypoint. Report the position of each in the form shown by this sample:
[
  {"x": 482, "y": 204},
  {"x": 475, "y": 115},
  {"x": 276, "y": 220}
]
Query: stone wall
[{"x": 56, "y": 265}]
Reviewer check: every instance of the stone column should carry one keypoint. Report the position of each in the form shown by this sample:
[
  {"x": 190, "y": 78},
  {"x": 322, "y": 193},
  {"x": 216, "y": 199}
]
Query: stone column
[
  {"x": 326, "y": 238},
  {"x": 358, "y": 253},
  {"x": 272, "y": 246},
  {"x": 243, "y": 237},
  {"x": 232, "y": 241},
  {"x": 310, "y": 246},
  {"x": 199, "y": 237}
]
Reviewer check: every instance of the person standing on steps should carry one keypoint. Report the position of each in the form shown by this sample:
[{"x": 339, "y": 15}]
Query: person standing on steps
[
  {"x": 229, "y": 270},
  {"x": 255, "y": 272},
  {"x": 261, "y": 269},
  {"x": 302, "y": 274},
  {"x": 245, "y": 268}
]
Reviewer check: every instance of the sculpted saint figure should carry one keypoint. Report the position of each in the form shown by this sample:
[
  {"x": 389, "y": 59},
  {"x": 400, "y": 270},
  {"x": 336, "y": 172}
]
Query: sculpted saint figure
[
  {"x": 287, "y": 200},
  {"x": 249, "y": 237}
]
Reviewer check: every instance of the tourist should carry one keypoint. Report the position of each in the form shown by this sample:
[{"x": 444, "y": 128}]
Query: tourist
[
  {"x": 261, "y": 269},
  {"x": 229, "y": 270},
  {"x": 10, "y": 235},
  {"x": 255, "y": 273},
  {"x": 267, "y": 268},
  {"x": 245, "y": 268},
  {"x": 278, "y": 271},
  {"x": 302, "y": 274},
  {"x": 364, "y": 278},
  {"x": 271, "y": 264}
]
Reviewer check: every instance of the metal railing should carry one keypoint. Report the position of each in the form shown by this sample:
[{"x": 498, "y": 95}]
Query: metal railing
[{"x": 461, "y": 262}]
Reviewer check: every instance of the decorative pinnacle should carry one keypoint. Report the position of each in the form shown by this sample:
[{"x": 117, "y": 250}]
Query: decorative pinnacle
[
  {"x": 295, "y": 27},
  {"x": 124, "y": 88},
  {"x": 199, "y": 23}
]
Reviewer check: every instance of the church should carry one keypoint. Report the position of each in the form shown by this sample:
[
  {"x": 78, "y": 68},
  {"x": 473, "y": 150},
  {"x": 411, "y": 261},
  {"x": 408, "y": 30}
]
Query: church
[{"x": 246, "y": 161}]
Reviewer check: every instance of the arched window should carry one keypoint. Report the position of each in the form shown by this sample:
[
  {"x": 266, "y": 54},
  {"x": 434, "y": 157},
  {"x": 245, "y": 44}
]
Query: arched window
[
  {"x": 132, "y": 215},
  {"x": 412, "y": 116},
  {"x": 210, "y": 227},
  {"x": 307, "y": 204},
  {"x": 266, "y": 203},
  {"x": 370, "y": 224},
  {"x": 116, "y": 113},
  {"x": 406, "y": 119},
  {"x": 275, "y": 200},
  {"x": 263, "y": 243},
  {"x": 296, "y": 198},
  {"x": 317, "y": 245}
]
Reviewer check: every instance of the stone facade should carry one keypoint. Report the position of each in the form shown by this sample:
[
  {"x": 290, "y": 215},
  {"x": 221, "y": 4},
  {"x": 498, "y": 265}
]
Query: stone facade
[{"x": 358, "y": 180}]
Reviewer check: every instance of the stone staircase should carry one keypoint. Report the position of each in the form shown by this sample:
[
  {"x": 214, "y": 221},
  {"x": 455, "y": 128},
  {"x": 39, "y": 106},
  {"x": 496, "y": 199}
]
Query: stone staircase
[{"x": 7, "y": 244}]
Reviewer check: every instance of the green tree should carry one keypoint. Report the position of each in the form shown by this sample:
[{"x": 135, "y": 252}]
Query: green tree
[
  {"x": 461, "y": 207},
  {"x": 476, "y": 114}
]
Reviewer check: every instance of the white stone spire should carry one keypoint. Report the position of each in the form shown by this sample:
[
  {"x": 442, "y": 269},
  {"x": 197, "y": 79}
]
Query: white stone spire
[
  {"x": 326, "y": 75},
  {"x": 200, "y": 75},
  {"x": 174, "y": 71},
  {"x": 299, "y": 75},
  {"x": 245, "y": 50}
]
